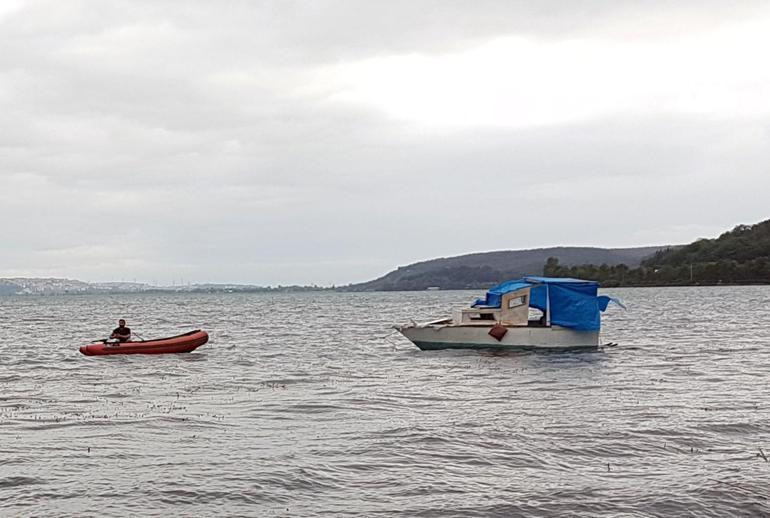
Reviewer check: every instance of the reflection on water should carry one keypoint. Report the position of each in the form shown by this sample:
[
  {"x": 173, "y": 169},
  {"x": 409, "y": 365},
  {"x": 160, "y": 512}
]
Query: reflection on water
[{"x": 307, "y": 404}]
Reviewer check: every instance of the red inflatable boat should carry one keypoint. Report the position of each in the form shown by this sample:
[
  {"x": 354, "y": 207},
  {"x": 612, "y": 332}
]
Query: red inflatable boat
[{"x": 175, "y": 344}]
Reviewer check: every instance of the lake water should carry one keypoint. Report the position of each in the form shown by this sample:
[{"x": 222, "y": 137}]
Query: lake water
[{"x": 307, "y": 405}]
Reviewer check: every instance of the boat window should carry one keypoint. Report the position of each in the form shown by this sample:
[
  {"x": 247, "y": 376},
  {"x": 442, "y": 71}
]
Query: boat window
[
  {"x": 482, "y": 316},
  {"x": 517, "y": 301}
]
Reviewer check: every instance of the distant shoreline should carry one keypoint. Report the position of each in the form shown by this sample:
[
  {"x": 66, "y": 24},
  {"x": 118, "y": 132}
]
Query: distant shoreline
[
  {"x": 694, "y": 285},
  {"x": 55, "y": 286},
  {"x": 339, "y": 290}
]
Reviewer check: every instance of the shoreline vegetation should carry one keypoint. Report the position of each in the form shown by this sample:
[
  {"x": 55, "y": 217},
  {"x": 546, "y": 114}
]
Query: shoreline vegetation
[
  {"x": 738, "y": 257},
  {"x": 486, "y": 269}
]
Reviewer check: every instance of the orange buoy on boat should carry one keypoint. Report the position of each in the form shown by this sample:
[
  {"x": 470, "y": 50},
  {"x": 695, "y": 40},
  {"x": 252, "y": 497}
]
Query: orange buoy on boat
[{"x": 174, "y": 344}]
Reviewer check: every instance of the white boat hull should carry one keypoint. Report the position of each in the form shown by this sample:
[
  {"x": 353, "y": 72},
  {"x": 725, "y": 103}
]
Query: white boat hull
[{"x": 450, "y": 336}]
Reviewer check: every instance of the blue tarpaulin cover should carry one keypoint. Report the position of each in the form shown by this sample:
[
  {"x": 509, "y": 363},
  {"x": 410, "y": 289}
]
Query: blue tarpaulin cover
[{"x": 573, "y": 303}]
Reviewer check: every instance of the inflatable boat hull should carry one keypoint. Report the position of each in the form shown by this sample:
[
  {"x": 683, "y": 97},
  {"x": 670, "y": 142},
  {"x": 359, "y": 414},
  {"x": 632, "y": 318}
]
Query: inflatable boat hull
[{"x": 175, "y": 344}]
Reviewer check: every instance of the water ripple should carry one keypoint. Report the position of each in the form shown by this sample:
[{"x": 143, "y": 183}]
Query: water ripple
[{"x": 337, "y": 417}]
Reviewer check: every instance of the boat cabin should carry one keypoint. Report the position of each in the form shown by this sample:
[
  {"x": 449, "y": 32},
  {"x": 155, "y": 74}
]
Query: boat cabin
[
  {"x": 563, "y": 302},
  {"x": 513, "y": 311}
]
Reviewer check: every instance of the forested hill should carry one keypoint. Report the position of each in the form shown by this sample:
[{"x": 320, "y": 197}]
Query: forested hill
[
  {"x": 482, "y": 270},
  {"x": 744, "y": 243},
  {"x": 740, "y": 256}
]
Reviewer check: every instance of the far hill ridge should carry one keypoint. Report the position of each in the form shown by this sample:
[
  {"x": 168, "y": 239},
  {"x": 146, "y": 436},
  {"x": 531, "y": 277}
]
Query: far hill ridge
[{"x": 481, "y": 270}]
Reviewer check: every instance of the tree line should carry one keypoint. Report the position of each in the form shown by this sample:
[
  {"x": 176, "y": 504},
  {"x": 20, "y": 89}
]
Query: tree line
[{"x": 739, "y": 256}]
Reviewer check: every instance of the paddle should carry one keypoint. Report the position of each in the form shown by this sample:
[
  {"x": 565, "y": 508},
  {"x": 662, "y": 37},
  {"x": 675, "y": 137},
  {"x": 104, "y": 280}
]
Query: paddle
[{"x": 106, "y": 341}]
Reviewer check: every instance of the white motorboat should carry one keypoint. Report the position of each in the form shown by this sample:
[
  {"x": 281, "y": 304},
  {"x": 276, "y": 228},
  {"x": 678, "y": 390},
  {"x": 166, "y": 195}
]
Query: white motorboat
[{"x": 568, "y": 318}]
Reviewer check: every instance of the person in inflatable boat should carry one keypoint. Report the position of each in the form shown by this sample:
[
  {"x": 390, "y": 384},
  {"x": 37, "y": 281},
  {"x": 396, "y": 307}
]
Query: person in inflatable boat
[{"x": 121, "y": 333}]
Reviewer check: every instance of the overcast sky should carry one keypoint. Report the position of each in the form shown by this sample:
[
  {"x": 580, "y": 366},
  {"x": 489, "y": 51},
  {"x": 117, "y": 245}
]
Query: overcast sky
[{"x": 331, "y": 141}]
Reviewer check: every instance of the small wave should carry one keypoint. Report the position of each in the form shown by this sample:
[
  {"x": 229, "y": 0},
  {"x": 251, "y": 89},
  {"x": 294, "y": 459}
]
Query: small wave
[{"x": 21, "y": 481}]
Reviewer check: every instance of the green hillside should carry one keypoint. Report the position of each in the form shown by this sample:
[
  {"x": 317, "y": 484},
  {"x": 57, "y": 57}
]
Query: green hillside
[
  {"x": 740, "y": 256},
  {"x": 485, "y": 269}
]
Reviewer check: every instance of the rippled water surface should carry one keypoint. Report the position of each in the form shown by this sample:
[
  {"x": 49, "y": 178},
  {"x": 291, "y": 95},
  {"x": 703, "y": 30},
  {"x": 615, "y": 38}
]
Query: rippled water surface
[{"x": 304, "y": 405}]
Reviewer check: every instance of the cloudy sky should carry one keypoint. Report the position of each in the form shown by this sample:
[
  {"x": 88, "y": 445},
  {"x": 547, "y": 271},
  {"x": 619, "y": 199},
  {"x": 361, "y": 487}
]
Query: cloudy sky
[{"x": 330, "y": 141}]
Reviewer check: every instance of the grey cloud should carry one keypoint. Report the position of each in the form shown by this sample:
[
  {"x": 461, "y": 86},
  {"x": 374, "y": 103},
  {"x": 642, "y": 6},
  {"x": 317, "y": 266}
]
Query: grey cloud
[{"x": 157, "y": 140}]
